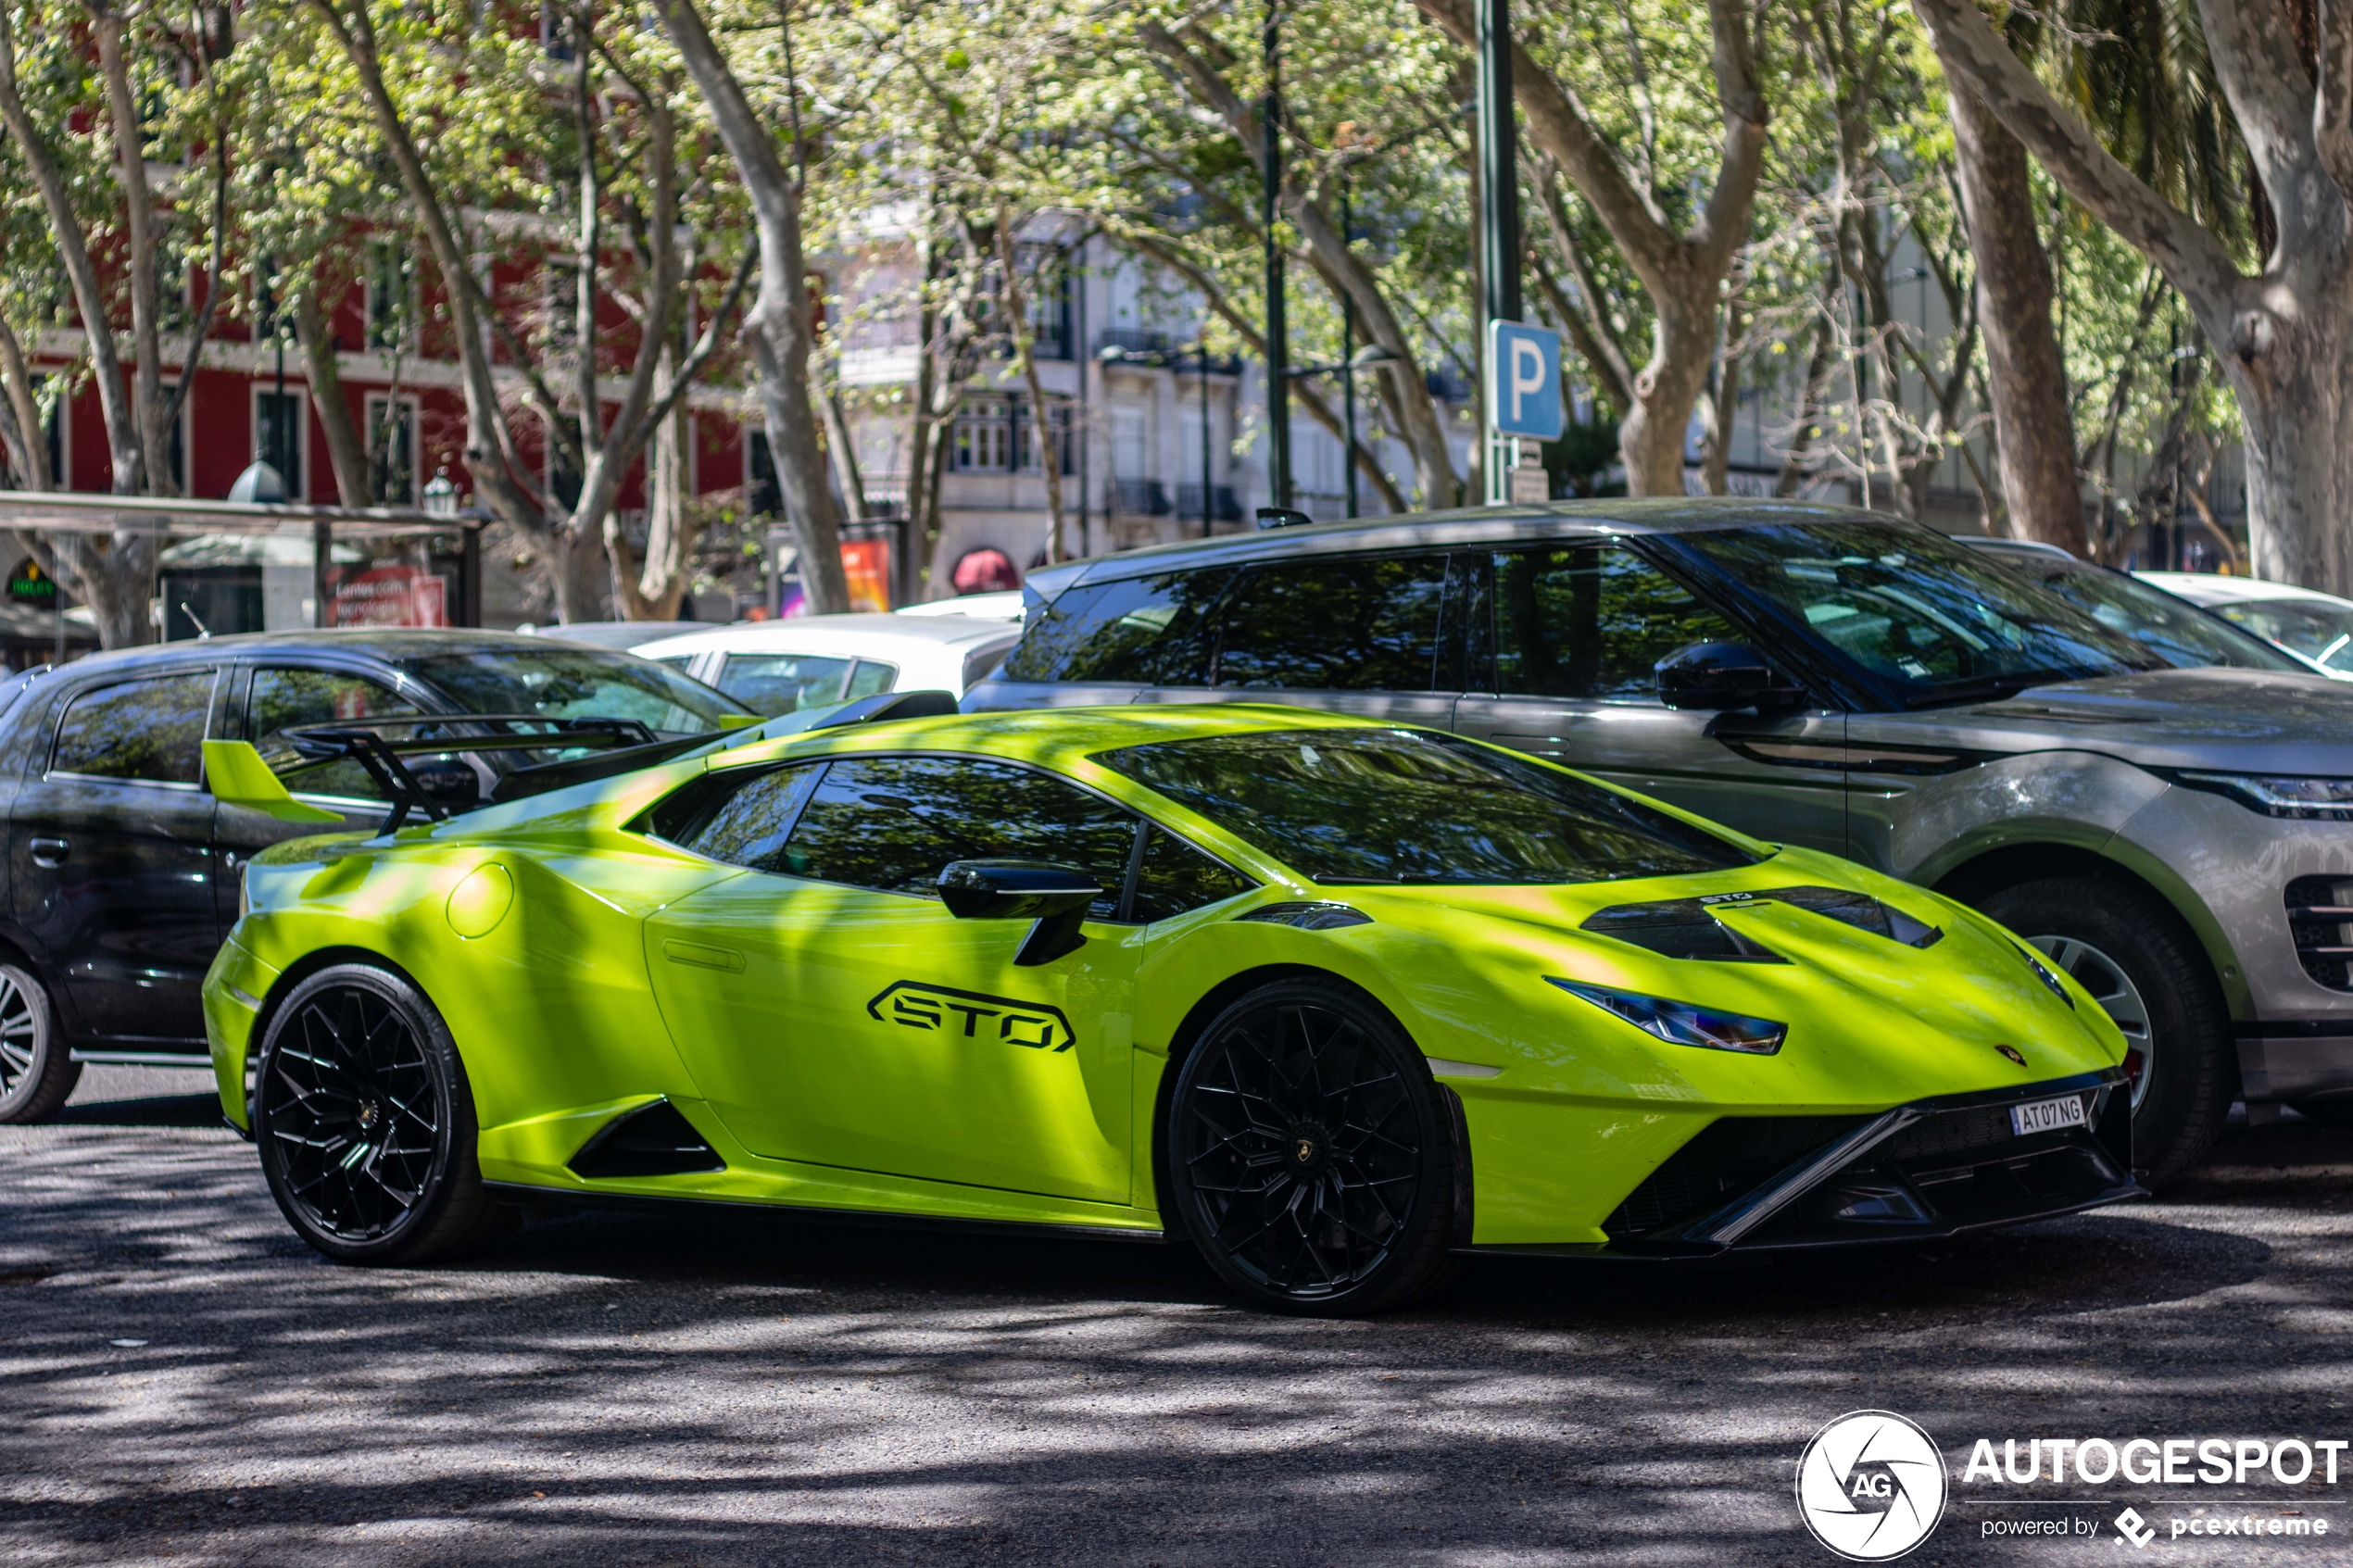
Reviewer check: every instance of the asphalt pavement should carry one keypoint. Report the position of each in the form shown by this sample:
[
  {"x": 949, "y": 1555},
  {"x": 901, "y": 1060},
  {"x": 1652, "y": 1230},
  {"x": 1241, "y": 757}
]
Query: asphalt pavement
[{"x": 182, "y": 1381}]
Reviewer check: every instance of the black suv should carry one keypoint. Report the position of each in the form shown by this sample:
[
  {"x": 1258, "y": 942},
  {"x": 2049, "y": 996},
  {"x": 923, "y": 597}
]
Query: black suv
[{"x": 123, "y": 870}]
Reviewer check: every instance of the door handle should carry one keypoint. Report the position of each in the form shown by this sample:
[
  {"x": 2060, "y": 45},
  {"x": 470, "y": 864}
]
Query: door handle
[
  {"x": 702, "y": 957},
  {"x": 49, "y": 852}
]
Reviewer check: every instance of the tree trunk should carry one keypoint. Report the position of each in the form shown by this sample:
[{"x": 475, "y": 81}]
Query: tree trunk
[
  {"x": 781, "y": 328},
  {"x": 2035, "y": 440},
  {"x": 347, "y": 451},
  {"x": 580, "y": 568},
  {"x": 1651, "y": 437}
]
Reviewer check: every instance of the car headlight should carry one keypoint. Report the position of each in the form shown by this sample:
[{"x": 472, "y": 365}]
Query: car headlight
[
  {"x": 2328, "y": 800},
  {"x": 2043, "y": 973},
  {"x": 1683, "y": 1023}
]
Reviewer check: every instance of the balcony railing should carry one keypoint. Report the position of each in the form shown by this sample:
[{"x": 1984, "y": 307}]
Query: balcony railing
[
  {"x": 1223, "y": 504},
  {"x": 1139, "y": 497}
]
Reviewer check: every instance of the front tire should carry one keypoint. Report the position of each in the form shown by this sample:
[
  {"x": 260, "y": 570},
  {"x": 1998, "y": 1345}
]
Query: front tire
[
  {"x": 1309, "y": 1158},
  {"x": 2128, "y": 947},
  {"x": 37, "y": 1071},
  {"x": 366, "y": 1122}
]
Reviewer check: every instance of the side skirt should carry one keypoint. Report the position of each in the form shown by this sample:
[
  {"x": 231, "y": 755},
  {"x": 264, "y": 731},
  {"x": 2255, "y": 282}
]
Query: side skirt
[{"x": 525, "y": 1193}]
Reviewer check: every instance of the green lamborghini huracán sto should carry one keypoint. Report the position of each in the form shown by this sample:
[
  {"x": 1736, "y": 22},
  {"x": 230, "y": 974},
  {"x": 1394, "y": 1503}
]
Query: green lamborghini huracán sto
[{"x": 1337, "y": 1001}]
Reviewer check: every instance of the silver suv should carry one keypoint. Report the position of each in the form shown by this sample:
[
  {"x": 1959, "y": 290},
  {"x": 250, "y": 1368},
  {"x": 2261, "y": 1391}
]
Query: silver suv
[{"x": 2163, "y": 805}]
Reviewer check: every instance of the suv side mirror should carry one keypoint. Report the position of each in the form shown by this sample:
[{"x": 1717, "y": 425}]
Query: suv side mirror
[
  {"x": 1713, "y": 677},
  {"x": 1053, "y": 898}
]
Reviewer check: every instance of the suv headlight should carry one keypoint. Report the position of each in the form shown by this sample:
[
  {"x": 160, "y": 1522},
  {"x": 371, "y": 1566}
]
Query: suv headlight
[
  {"x": 2328, "y": 800},
  {"x": 1683, "y": 1023}
]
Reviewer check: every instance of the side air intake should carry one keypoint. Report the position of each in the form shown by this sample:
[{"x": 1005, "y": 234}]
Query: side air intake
[{"x": 653, "y": 1140}]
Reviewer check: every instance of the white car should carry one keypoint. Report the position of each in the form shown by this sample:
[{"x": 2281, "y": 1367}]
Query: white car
[
  {"x": 2315, "y": 626},
  {"x": 1003, "y": 606},
  {"x": 781, "y": 666}
]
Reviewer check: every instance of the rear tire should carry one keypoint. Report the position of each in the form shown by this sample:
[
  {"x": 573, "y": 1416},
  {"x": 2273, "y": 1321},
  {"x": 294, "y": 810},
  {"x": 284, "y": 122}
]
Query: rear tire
[
  {"x": 37, "y": 1070},
  {"x": 2102, "y": 930},
  {"x": 366, "y": 1123},
  {"x": 1309, "y": 1158}
]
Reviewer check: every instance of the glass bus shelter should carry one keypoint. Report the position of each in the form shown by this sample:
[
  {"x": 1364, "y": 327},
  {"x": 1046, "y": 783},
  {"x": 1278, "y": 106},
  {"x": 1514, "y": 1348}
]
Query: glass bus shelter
[{"x": 238, "y": 566}]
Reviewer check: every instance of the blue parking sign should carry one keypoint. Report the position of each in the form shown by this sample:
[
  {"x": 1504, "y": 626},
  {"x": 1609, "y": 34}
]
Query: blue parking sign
[{"x": 1524, "y": 380}]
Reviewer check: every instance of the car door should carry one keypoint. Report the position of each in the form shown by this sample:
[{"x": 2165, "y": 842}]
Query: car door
[
  {"x": 268, "y": 698},
  {"x": 1360, "y": 634},
  {"x": 1573, "y": 630},
  {"x": 112, "y": 858},
  {"x": 834, "y": 1012}
]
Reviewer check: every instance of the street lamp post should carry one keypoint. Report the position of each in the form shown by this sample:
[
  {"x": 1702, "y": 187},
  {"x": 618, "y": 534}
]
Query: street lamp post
[
  {"x": 1201, "y": 358},
  {"x": 1270, "y": 124},
  {"x": 1348, "y": 353}
]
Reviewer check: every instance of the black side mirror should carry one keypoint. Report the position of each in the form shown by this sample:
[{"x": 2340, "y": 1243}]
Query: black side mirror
[
  {"x": 1053, "y": 898},
  {"x": 1713, "y": 677}
]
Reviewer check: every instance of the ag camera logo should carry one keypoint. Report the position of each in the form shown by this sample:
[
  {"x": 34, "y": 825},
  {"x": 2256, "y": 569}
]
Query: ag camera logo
[{"x": 1870, "y": 1485}]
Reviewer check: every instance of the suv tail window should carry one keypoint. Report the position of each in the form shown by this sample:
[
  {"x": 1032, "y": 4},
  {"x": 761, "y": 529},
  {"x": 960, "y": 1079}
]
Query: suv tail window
[
  {"x": 1335, "y": 624},
  {"x": 1152, "y": 631}
]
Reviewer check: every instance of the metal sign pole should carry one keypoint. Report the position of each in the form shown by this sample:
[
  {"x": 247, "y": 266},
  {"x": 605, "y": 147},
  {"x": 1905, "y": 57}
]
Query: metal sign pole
[
  {"x": 1499, "y": 207},
  {"x": 1270, "y": 121}
]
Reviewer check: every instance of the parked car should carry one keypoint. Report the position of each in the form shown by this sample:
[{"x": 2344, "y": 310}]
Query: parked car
[
  {"x": 1006, "y": 605},
  {"x": 622, "y": 634},
  {"x": 2306, "y": 622},
  {"x": 2184, "y": 631},
  {"x": 1335, "y": 1000},
  {"x": 123, "y": 874},
  {"x": 2179, "y": 839},
  {"x": 781, "y": 666}
]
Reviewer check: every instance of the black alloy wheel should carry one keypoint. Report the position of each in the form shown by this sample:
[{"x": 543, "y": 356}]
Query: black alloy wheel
[
  {"x": 37, "y": 1071},
  {"x": 2128, "y": 947},
  {"x": 1309, "y": 1154},
  {"x": 366, "y": 1123}
]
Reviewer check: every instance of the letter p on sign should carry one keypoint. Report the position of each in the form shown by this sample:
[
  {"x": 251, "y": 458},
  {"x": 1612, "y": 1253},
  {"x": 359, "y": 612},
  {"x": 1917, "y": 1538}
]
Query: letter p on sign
[{"x": 1524, "y": 380}]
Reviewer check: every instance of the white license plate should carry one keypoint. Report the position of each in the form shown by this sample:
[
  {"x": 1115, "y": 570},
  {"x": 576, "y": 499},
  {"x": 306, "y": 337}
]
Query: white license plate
[{"x": 2047, "y": 1115}]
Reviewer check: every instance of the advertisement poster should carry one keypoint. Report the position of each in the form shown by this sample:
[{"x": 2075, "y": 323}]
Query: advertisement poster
[
  {"x": 866, "y": 564},
  {"x": 390, "y": 595}
]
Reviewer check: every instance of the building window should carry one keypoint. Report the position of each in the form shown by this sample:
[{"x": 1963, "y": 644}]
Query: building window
[
  {"x": 984, "y": 436},
  {"x": 762, "y": 495},
  {"x": 1058, "y": 423},
  {"x": 392, "y": 285},
  {"x": 1049, "y": 302},
  {"x": 276, "y": 436},
  {"x": 392, "y": 451}
]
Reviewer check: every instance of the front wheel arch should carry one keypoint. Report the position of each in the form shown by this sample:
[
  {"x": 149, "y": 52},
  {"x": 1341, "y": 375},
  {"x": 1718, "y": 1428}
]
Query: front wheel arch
[
  {"x": 1981, "y": 876},
  {"x": 1216, "y": 1001}
]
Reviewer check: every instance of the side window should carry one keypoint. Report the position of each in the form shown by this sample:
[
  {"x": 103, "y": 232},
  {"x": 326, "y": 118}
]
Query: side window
[
  {"x": 287, "y": 699},
  {"x": 892, "y": 822},
  {"x": 151, "y": 730},
  {"x": 1335, "y": 624},
  {"x": 1149, "y": 629},
  {"x": 1591, "y": 620},
  {"x": 783, "y": 682},
  {"x": 746, "y": 826},
  {"x": 1177, "y": 877},
  {"x": 871, "y": 679}
]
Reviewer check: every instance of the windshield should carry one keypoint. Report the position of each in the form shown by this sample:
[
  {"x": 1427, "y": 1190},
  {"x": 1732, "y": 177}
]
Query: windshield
[
  {"x": 1932, "y": 620},
  {"x": 2322, "y": 632},
  {"x": 1364, "y": 805},
  {"x": 576, "y": 683},
  {"x": 2173, "y": 627}
]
